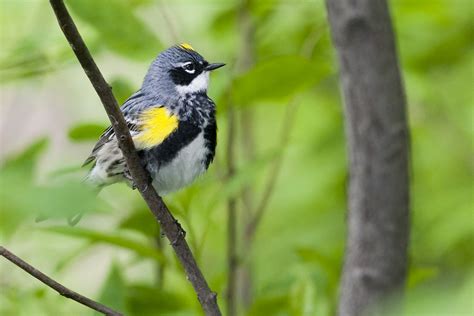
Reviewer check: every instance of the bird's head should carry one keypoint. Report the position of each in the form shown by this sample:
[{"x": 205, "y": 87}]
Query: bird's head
[{"x": 179, "y": 70}]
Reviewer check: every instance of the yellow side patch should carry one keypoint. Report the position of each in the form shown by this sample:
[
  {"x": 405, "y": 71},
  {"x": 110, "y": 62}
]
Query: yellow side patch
[
  {"x": 186, "y": 46},
  {"x": 155, "y": 125}
]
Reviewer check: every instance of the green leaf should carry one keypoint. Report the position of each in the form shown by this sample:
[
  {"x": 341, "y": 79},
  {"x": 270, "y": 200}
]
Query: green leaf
[
  {"x": 141, "y": 221},
  {"x": 137, "y": 3},
  {"x": 70, "y": 256},
  {"x": 16, "y": 177},
  {"x": 145, "y": 300},
  {"x": 65, "y": 171},
  {"x": 224, "y": 22},
  {"x": 117, "y": 239},
  {"x": 246, "y": 174},
  {"x": 270, "y": 305},
  {"x": 118, "y": 27},
  {"x": 327, "y": 263},
  {"x": 24, "y": 200},
  {"x": 26, "y": 160},
  {"x": 419, "y": 275},
  {"x": 302, "y": 298},
  {"x": 86, "y": 132},
  {"x": 113, "y": 293},
  {"x": 277, "y": 79}
]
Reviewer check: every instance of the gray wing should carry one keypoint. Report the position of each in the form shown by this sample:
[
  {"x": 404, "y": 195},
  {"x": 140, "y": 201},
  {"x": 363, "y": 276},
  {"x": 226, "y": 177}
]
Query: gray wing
[
  {"x": 109, "y": 134},
  {"x": 106, "y": 136}
]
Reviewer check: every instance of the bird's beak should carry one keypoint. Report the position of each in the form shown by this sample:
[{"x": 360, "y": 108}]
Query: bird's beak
[{"x": 214, "y": 66}]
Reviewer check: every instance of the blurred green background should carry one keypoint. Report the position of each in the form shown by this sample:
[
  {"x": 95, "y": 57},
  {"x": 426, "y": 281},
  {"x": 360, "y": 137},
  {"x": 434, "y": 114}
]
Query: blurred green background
[{"x": 282, "y": 85}]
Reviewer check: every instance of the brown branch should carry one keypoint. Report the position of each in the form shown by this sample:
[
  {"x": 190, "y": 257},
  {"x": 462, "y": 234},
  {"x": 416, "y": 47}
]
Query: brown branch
[
  {"x": 243, "y": 63},
  {"x": 232, "y": 260},
  {"x": 141, "y": 178},
  {"x": 61, "y": 289},
  {"x": 247, "y": 132},
  {"x": 247, "y": 125},
  {"x": 375, "y": 263}
]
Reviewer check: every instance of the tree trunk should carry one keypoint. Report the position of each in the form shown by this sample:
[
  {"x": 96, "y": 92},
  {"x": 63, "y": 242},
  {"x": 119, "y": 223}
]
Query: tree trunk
[{"x": 376, "y": 129}]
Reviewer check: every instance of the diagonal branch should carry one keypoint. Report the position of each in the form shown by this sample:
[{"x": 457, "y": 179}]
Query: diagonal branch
[
  {"x": 61, "y": 289},
  {"x": 141, "y": 178},
  {"x": 287, "y": 127}
]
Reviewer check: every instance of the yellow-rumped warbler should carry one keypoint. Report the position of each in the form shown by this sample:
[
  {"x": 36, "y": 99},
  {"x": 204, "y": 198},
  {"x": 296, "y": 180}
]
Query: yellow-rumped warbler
[{"x": 172, "y": 123}]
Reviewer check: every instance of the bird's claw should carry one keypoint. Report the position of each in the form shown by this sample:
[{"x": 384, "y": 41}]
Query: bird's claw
[
  {"x": 144, "y": 188},
  {"x": 181, "y": 233},
  {"x": 128, "y": 177}
]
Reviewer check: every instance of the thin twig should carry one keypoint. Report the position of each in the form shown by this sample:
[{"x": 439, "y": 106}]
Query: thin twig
[
  {"x": 231, "y": 218},
  {"x": 169, "y": 22},
  {"x": 160, "y": 267},
  {"x": 287, "y": 126},
  {"x": 247, "y": 114},
  {"x": 169, "y": 225},
  {"x": 244, "y": 62},
  {"x": 286, "y": 129},
  {"x": 61, "y": 289},
  {"x": 247, "y": 120}
]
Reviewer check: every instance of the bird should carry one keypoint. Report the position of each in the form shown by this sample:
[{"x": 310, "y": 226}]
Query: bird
[{"x": 172, "y": 122}]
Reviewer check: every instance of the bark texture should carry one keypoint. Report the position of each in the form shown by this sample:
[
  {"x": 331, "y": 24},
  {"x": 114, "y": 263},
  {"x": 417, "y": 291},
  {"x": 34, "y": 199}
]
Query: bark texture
[{"x": 378, "y": 149}]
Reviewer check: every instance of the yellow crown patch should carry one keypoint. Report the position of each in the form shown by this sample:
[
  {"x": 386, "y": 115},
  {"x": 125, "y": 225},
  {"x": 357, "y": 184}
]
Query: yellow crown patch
[{"x": 186, "y": 46}]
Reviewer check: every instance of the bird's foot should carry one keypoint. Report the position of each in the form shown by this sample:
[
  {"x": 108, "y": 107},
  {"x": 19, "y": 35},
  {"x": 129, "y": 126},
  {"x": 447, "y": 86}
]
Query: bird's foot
[
  {"x": 181, "y": 233},
  {"x": 128, "y": 177}
]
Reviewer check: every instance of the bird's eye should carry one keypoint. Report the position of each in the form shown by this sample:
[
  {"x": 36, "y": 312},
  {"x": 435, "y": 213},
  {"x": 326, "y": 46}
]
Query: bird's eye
[{"x": 189, "y": 68}]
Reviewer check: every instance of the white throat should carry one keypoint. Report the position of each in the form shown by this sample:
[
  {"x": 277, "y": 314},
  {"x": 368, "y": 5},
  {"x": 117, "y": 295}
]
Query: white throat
[{"x": 200, "y": 83}]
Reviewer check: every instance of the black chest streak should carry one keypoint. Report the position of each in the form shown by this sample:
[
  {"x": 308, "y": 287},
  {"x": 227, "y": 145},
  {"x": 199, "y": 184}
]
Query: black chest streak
[
  {"x": 200, "y": 117},
  {"x": 169, "y": 148},
  {"x": 210, "y": 135}
]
